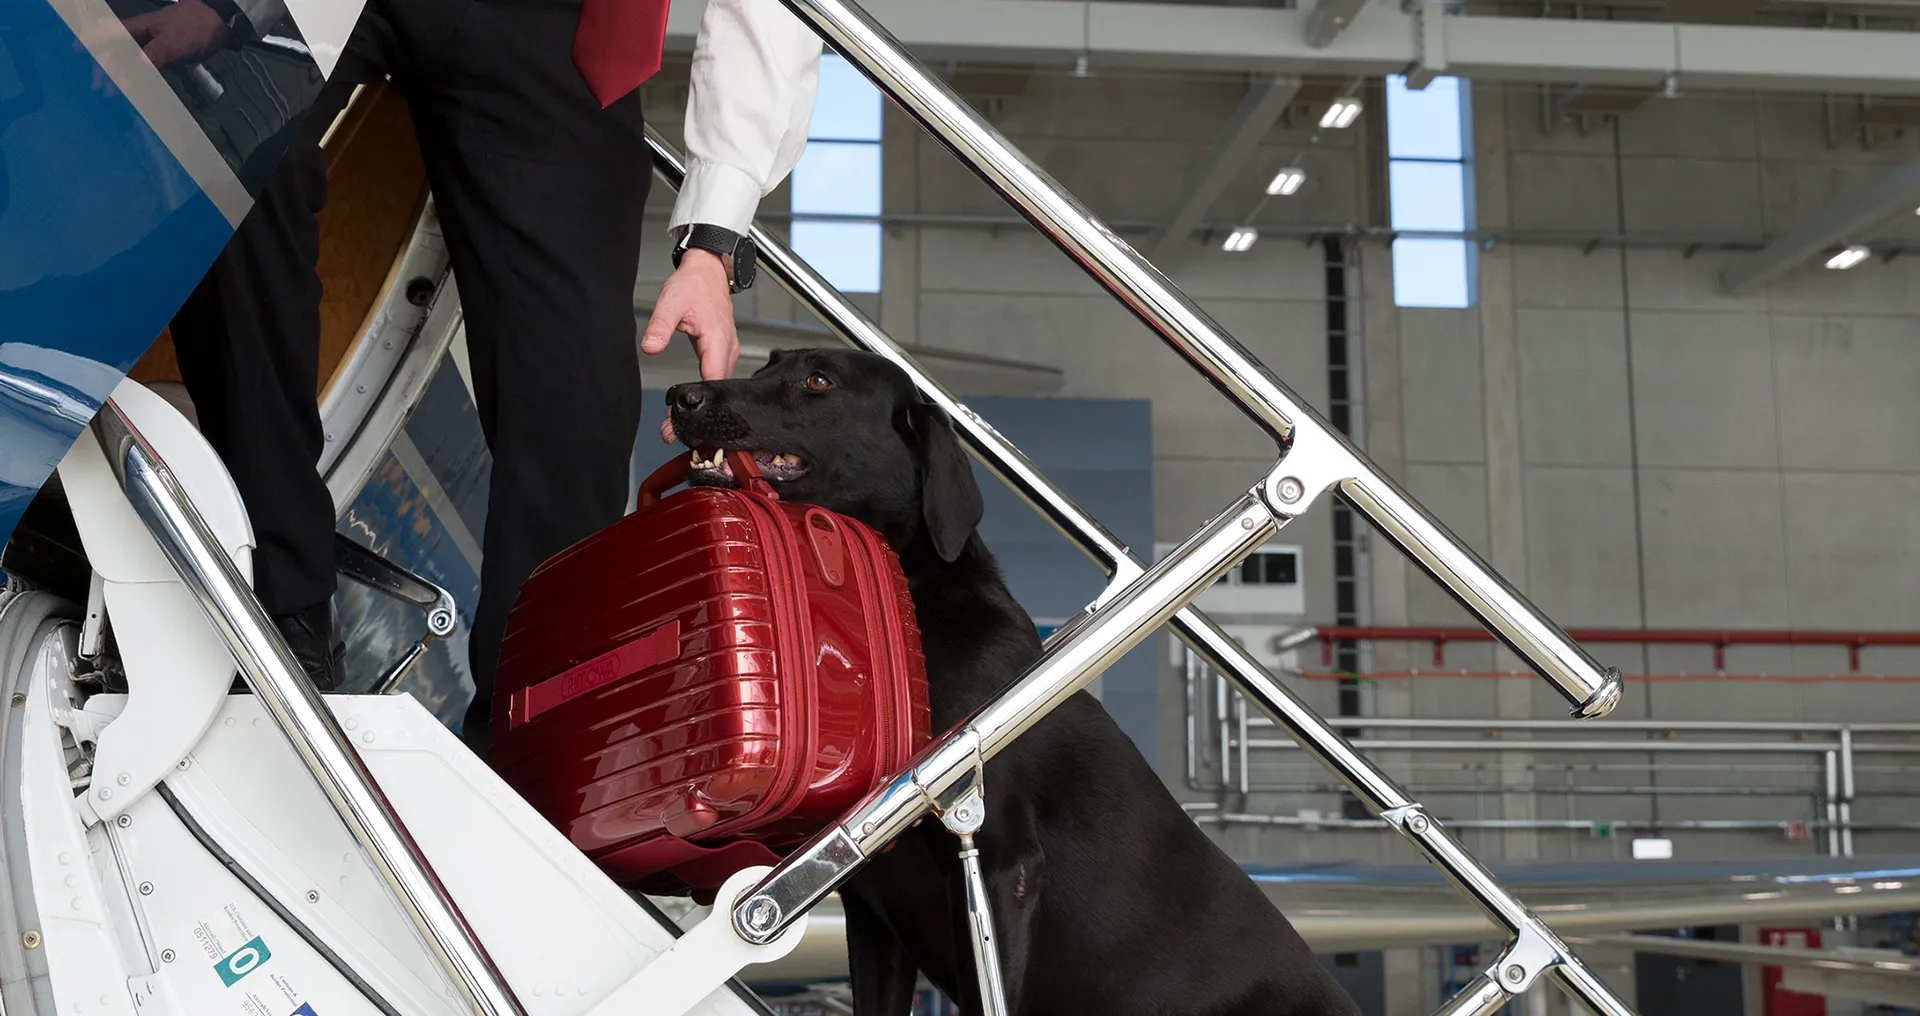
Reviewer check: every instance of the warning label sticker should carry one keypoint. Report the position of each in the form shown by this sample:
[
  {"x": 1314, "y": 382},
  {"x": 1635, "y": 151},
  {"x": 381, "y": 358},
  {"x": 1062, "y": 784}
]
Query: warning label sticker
[
  {"x": 236, "y": 952},
  {"x": 222, "y": 933},
  {"x": 242, "y": 961}
]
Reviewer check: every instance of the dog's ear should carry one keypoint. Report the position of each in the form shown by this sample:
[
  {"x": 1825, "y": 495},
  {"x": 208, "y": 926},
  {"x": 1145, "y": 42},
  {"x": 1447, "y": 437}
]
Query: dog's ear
[{"x": 949, "y": 498}]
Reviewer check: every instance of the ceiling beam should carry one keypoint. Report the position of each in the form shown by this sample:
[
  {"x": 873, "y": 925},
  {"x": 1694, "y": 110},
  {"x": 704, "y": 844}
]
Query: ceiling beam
[
  {"x": 1265, "y": 100},
  {"x": 1850, "y": 221},
  {"x": 1329, "y": 19},
  {"x": 1381, "y": 39},
  {"x": 1713, "y": 12}
]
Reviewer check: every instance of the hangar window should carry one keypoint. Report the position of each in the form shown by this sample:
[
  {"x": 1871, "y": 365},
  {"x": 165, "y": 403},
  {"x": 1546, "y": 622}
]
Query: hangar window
[
  {"x": 1429, "y": 143},
  {"x": 836, "y": 186}
]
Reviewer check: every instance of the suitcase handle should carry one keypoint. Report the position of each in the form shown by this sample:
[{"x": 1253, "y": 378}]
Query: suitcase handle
[
  {"x": 823, "y": 535},
  {"x": 675, "y": 471}
]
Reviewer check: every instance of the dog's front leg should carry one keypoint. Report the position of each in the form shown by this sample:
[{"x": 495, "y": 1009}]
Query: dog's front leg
[{"x": 882, "y": 972}]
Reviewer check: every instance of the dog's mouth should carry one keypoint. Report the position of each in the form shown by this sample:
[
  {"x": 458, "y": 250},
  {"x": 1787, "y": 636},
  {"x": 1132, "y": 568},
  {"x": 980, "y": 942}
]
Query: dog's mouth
[{"x": 710, "y": 465}]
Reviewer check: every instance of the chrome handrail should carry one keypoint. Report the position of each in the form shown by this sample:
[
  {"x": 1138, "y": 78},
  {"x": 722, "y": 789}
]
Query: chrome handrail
[
  {"x": 1190, "y": 623},
  {"x": 1327, "y": 459},
  {"x": 277, "y": 680}
]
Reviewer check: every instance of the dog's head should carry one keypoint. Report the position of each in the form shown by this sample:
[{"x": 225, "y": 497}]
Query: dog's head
[{"x": 841, "y": 429}]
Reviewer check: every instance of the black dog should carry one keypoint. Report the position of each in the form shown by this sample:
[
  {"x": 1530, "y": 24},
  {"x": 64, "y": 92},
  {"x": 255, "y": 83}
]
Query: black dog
[{"x": 1106, "y": 897}]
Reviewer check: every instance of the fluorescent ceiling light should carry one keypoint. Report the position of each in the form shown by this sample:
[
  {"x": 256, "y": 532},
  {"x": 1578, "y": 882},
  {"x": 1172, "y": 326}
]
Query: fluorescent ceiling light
[
  {"x": 1848, "y": 258},
  {"x": 1287, "y": 181},
  {"x": 1240, "y": 239},
  {"x": 1344, "y": 111}
]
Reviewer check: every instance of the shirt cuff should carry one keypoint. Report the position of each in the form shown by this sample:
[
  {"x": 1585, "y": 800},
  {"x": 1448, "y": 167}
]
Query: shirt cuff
[{"x": 717, "y": 194}]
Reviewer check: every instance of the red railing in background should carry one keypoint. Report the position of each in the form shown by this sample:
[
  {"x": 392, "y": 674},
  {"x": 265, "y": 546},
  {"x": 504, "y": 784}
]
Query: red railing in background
[{"x": 1854, "y": 641}]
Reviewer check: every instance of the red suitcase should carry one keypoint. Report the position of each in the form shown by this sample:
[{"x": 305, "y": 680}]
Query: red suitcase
[{"x": 708, "y": 682}]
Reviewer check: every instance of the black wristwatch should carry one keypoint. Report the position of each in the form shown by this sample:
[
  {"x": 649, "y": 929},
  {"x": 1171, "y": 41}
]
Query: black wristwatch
[
  {"x": 736, "y": 252},
  {"x": 240, "y": 28}
]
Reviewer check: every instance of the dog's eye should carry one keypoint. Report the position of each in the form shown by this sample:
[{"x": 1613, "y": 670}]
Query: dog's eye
[{"x": 817, "y": 382}]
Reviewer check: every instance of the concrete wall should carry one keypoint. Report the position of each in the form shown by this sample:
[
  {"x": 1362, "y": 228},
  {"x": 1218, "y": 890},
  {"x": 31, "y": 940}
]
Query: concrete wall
[{"x": 1638, "y": 450}]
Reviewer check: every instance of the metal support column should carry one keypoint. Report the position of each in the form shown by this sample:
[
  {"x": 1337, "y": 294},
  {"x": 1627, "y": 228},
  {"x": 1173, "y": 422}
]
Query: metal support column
[
  {"x": 1830, "y": 768},
  {"x": 1846, "y": 792}
]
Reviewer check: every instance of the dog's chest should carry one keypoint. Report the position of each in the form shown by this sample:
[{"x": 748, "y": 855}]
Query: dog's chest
[
  {"x": 958, "y": 681},
  {"x": 972, "y": 654}
]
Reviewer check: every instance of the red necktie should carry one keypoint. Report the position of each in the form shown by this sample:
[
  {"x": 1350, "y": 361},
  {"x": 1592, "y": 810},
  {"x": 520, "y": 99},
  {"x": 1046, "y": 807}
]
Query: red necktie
[{"x": 618, "y": 45}]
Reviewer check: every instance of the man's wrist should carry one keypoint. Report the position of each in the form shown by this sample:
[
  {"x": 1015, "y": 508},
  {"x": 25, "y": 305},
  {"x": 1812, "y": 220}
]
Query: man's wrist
[
  {"x": 734, "y": 252},
  {"x": 704, "y": 261}
]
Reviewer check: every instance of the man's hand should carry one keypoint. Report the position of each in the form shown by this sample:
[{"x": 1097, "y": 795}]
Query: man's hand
[
  {"x": 188, "y": 30},
  {"x": 694, "y": 300}
]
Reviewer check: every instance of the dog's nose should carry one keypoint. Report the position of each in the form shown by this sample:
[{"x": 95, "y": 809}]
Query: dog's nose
[{"x": 687, "y": 397}]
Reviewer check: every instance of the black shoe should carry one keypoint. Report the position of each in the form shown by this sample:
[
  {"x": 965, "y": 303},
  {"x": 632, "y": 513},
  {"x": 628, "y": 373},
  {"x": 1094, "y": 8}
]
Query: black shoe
[{"x": 314, "y": 636}]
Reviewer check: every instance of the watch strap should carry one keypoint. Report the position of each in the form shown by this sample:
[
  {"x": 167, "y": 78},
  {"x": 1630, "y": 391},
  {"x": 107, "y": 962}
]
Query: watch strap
[{"x": 718, "y": 239}]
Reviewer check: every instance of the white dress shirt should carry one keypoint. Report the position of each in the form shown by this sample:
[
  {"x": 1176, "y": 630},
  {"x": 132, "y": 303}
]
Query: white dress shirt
[{"x": 756, "y": 72}]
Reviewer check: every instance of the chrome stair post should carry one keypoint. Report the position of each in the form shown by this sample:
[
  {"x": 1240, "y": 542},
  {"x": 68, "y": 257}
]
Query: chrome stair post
[
  {"x": 290, "y": 699},
  {"x": 963, "y": 810}
]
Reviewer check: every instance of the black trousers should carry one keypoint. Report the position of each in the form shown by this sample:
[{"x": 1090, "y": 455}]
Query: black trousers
[
  {"x": 540, "y": 194},
  {"x": 248, "y": 341}
]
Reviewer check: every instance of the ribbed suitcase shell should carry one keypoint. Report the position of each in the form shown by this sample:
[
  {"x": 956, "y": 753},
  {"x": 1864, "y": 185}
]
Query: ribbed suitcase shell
[{"x": 708, "y": 682}]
